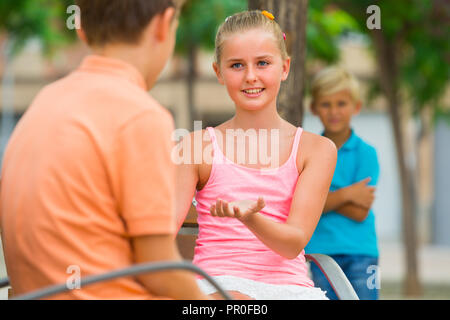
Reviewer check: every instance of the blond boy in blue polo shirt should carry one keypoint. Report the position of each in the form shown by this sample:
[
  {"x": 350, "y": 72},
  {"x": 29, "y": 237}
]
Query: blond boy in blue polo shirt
[{"x": 346, "y": 230}]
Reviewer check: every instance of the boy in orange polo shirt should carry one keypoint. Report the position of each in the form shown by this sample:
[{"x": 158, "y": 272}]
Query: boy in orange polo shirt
[{"x": 87, "y": 178}]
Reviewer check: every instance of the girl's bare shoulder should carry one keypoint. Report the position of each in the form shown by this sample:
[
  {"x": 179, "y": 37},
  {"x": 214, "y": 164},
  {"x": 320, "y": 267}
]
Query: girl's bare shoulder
[
  {"x": 313, "y": 146},
  {"x": 312, "y": 140},
  {"x": 193, "y": 144}
]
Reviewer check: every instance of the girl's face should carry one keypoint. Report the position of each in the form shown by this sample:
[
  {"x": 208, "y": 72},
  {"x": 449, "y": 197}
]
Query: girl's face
[{"x": 251, "y": 68}]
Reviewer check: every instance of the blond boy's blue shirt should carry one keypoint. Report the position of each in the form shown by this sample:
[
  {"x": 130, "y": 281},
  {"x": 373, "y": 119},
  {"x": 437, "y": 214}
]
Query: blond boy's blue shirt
[{"x": 335, "y": 233}]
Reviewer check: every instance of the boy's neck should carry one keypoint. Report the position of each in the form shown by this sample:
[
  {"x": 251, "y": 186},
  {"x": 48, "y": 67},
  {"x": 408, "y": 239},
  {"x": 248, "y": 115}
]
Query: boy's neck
[
  {"x": 132, "y": 55},
  {"x": 339, "y": 138}
]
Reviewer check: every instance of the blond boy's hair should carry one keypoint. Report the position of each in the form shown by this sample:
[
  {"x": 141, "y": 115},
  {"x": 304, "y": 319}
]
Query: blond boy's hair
[
  {"x": 248, "y": 20},
  {"x": 333, "y": 79}
]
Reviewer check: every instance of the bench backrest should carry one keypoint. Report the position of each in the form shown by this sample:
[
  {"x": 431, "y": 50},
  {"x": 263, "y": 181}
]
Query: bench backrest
[{"x": 188, "y": 235}]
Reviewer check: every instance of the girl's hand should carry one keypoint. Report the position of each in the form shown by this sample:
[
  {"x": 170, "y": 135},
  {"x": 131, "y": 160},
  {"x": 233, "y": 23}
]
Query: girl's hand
[{"x": 240, "y": 210}]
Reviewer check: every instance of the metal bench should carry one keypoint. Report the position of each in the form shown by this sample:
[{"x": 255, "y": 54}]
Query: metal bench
[{"x": 186, "y": 243}]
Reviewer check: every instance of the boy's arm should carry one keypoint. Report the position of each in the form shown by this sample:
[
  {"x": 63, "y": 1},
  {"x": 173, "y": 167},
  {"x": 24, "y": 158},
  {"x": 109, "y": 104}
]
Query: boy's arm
[
  {"x": 361, "y": 194},
  {"x": 353, "y": 201},
  {"x": 353, "y": 212},
  {"x": 336, "y": 199},
  {"x": 179, "y": 285},
  {"x": 144, "y": 183}
]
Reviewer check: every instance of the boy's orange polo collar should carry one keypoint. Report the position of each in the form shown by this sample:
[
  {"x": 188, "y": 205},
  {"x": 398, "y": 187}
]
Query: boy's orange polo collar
[{"x": 106, "y": 65}]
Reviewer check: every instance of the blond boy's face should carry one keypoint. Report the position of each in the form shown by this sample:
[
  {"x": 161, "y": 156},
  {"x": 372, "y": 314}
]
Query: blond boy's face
[{"x": 336, "y": 110}]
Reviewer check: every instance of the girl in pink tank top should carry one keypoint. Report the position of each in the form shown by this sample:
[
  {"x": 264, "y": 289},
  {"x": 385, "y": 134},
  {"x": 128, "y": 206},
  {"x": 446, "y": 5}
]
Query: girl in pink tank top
[{"x": 256, "y": 209}]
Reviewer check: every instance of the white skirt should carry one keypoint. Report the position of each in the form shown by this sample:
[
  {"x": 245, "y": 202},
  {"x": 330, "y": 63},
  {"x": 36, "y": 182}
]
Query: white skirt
[{"x": 262, "y": 291}]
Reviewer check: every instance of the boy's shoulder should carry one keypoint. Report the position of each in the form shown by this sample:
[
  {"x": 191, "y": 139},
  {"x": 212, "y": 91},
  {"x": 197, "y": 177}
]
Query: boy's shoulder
[
  {"x": 112, "y": 94},
  {"x": 112, "y": 102},
  {"x": 362, "y": 146}
]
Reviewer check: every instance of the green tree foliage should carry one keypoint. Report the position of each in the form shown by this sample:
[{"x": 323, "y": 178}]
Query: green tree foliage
[
  {"x": 45, "y": 20},
  {"x": 426, "y": 66},
  {"x": 326, "y": 25},
  {"x": 200, "y": 19},
  {"x": 419, "y": 29}
]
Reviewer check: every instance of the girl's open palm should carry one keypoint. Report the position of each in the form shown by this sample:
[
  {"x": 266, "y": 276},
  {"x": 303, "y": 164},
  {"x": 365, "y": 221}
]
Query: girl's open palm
[{"x": 241, "y": 210}]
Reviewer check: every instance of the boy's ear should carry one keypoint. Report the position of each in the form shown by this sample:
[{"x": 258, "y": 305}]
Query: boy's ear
[
  {"x": 163, "y": 23},
  {"x": 217, "y": 71},
  {"x": 313, "y": 108},
  {"x": 81, "y": 35},
  {"x": 286, "y": 68},
  {"x": 358, "y": 106}
]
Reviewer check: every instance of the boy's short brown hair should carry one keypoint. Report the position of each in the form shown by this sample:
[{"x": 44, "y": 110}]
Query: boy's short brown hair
[{"x": 114, "y": 21}]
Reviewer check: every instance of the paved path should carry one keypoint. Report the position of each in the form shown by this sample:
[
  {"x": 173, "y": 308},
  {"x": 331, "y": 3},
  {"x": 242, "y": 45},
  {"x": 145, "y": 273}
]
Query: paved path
[{"x": 433, "y": 263}]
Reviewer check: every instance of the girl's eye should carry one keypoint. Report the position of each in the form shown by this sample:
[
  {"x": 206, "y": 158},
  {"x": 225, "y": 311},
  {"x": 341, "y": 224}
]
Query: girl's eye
[
  {"x": 341, "y": 103},
  {"x": 236, "y": 65},
  {"x": 263, "y": 63}
]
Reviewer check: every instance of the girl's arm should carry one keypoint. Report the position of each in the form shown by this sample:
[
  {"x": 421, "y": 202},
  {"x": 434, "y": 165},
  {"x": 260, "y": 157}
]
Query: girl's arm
[
  {"x": 289, "y": 239},
  {"x": 186, "y": 178}
]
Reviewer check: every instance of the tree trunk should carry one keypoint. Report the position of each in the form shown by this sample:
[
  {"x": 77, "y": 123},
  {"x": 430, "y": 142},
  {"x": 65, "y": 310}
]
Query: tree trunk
[
  {"x": 387, "y": 66},
  {"x": 424, "y": 173},
  {"x": 190, "y": 83},
  {"x": 291, "y": 16}
]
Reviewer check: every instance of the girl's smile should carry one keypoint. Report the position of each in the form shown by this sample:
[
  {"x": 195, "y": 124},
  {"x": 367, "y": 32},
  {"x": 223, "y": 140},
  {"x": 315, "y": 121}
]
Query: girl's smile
[{"x": 253, "y": 92}]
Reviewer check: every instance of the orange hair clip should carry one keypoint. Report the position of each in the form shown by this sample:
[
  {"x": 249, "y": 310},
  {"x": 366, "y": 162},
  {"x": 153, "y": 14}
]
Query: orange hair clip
[
  {"x": 268, "y": 14},
  {"x": 271, "y": 17}
]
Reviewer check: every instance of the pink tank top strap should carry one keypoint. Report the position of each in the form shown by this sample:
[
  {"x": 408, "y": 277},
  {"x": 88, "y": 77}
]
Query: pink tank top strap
[
  {"x": 294, "y": 151},
  {"x": 218, "y": 157},
  {"x": 212, "y": 134}
]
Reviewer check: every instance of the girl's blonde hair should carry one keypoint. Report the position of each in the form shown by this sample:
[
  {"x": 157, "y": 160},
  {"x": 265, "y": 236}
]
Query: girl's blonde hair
[
  {"x": 244, "y": 21},
  {"x": 333, "y": 79}
]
